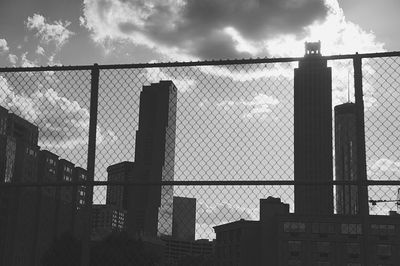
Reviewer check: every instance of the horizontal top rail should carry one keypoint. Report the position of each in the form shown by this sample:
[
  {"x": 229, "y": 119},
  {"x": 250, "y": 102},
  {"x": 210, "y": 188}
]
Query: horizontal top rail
[
  {"x": 194, "y": 63},
  {"x": 201, "y": 183}
]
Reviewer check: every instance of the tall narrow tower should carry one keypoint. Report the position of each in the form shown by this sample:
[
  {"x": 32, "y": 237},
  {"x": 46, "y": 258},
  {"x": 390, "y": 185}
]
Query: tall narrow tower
[
  {"x": 150, "y": 207},
  {"x": 313, "y": 133},
  {"x": 346, "y": 158}
]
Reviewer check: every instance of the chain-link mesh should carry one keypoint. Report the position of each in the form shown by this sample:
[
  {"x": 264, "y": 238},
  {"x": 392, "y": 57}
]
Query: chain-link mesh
[{"x": 229, "y": 123}]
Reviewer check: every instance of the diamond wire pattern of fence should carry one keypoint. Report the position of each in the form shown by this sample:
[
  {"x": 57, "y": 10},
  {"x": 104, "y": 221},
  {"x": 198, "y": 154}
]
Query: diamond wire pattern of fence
[{"x": 234, "y": 122}]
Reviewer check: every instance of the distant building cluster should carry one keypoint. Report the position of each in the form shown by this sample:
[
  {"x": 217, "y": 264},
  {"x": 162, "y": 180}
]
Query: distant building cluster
[
  {"x": 313, "y": 234},
  {"x": 35, "y": 216},
  {"x": 31, "y": 217}
]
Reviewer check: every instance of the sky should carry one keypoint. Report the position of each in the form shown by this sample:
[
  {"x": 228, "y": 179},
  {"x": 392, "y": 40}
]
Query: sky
[
  {"x": 42, "y": 32},
  {"x": 218, "y": 107}
]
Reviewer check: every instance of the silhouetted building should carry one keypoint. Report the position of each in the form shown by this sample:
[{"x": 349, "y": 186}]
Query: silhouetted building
[
  {"x": 150, "y": 207},
  {"x": 313, "y": 133},
  {"x": 18, "y": 163},
  {"x": 46, "y": 224},
  {"x": 238, "y": 243},
  {"x": 65, "y": 209},
  {"x": 177, "y": 249},
  {"x": 118, "y": 195},
  {"x": 283, "y": 238},
  {"x": 346, "y": 158},
  {"x": 184, "y": 218},
  {"x": 251, "y": 242},
  {"x": 105, "y": 220},
  {"x": 338, "y": 240},
  {"x": 79, "y": 175}
]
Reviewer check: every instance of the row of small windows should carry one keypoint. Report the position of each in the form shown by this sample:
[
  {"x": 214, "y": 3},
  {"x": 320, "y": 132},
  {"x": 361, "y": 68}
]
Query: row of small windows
[
  {"x": 353, "y": 250},
  {"x": 323, "y": 228},
  {"x": 345, "y": 228},
  {"x": 30, "y": 152}
]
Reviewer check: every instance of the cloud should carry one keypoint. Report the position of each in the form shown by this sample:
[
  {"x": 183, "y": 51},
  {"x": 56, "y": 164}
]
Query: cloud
[
  {"x": 337, "y": 35},
  {"x": 221, "y": 213},
  {"x": 56, "y": 33},
  {"x": 386, "y": 165},
  {"x": 13, "y": 58},
  {"x": 3, "y": 46},
  {"x": 63, "y": 123},
  {"x": 40, "y": 50},
  {"x": 190, "y": 29},
  {"x": 154, "y": 75},
  {"x": 25, "y": 62},
  {"x": 258, "y": 107},
  {"x": 200, "y": 29}
]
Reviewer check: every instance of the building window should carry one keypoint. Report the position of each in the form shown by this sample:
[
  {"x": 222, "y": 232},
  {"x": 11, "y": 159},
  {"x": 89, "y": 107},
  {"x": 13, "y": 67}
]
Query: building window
[
  {"x": 323, "y": 263},
  {"x": 351, "y": 229},
  {"x": 384, "y": 251},
  {"x": 294, "y": 248},
  {"x": 294, "y": 227},
  {"x": 323, "y": 249},
  {"x": 294, "y": 263},
  {"x": 353, "y": 250},
  {"x": 383, "y": 229},
  {"x": 67, "y": 178},
  {"x": 323, "y": 228}
]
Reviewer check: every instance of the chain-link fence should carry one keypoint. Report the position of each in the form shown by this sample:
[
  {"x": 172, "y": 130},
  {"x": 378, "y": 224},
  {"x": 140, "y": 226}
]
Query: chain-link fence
[{"x": 192, "y": 154}]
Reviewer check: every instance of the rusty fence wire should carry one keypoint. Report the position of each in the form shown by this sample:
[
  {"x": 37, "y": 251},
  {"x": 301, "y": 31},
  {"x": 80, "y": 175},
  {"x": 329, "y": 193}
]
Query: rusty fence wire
[{"x": 73, "y": 139}]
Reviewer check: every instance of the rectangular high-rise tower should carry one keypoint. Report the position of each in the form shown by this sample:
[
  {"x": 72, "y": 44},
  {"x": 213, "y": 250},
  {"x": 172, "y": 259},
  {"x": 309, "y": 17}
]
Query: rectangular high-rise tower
[
  {"x": 150, "y": 207},
  {"x": 313, "y": 133},
  {"x": 346, "y": 158}
]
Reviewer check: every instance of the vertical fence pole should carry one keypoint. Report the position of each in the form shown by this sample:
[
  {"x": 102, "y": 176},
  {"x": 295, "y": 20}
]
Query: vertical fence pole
[
  {"x": 91, "y": 159},
  {"x": 360, "y": 131},
  {"x": 361, "y": 156}
]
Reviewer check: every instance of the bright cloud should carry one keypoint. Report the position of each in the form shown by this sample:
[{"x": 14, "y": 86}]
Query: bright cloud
[
  {"x": 154, "y": 75},
  {"x": 256, "y": 108},
  {"x": 3, "y": 46},
  {"x": 386, "y": 165},
  {"x": 188, "y": 29},
  {"x": 56, "y": 33},
  {"x": 13, "y": 58},
  {"x": 25, "y": 62},
  {"x": 40, "y": 50},
  {"x": 63, "y": 123},
  {"x": 338, "y": 36}
]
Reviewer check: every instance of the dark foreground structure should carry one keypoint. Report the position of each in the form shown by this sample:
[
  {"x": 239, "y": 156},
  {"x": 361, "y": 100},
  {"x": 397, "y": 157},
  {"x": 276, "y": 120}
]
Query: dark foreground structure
[{"x": 313, "y": 234}]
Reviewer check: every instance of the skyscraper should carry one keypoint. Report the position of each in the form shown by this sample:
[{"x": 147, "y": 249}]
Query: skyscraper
[
  {"x": 313, "y": 133},
  {"x": 150, "y": 207},
  {"x": 346, "y": 158}
]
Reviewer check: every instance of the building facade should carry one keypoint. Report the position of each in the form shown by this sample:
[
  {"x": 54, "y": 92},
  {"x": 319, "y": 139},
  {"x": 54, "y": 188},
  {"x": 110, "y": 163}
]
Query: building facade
[
  {"x": 18, "y": 163},
  {"x": 177, "y": 249},
  {"x": 150, "y": 207},
  {"x": 118, "y": 195},
  {"x": 184, "y": 218},
  {"x": 313, "y": 133},
  {"x": 105, "y": 220},
  {"x": 347, "y": 196}
]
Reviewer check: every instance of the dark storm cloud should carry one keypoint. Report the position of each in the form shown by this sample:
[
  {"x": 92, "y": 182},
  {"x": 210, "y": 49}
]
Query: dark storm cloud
[
  {"x": 198, "y": 28},
  {"x": 254, "y": 19}
]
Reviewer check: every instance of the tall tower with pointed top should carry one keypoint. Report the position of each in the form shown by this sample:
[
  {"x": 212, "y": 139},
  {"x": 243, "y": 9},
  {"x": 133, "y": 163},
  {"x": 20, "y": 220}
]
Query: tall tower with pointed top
[{"x": 313, "y": 133}]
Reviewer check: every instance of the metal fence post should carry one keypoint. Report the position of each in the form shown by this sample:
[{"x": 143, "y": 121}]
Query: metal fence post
[
  {"x": 361, "y": 156},
  {"x": 91, "y": 159},
  {"x": 360, "y": 131}
]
